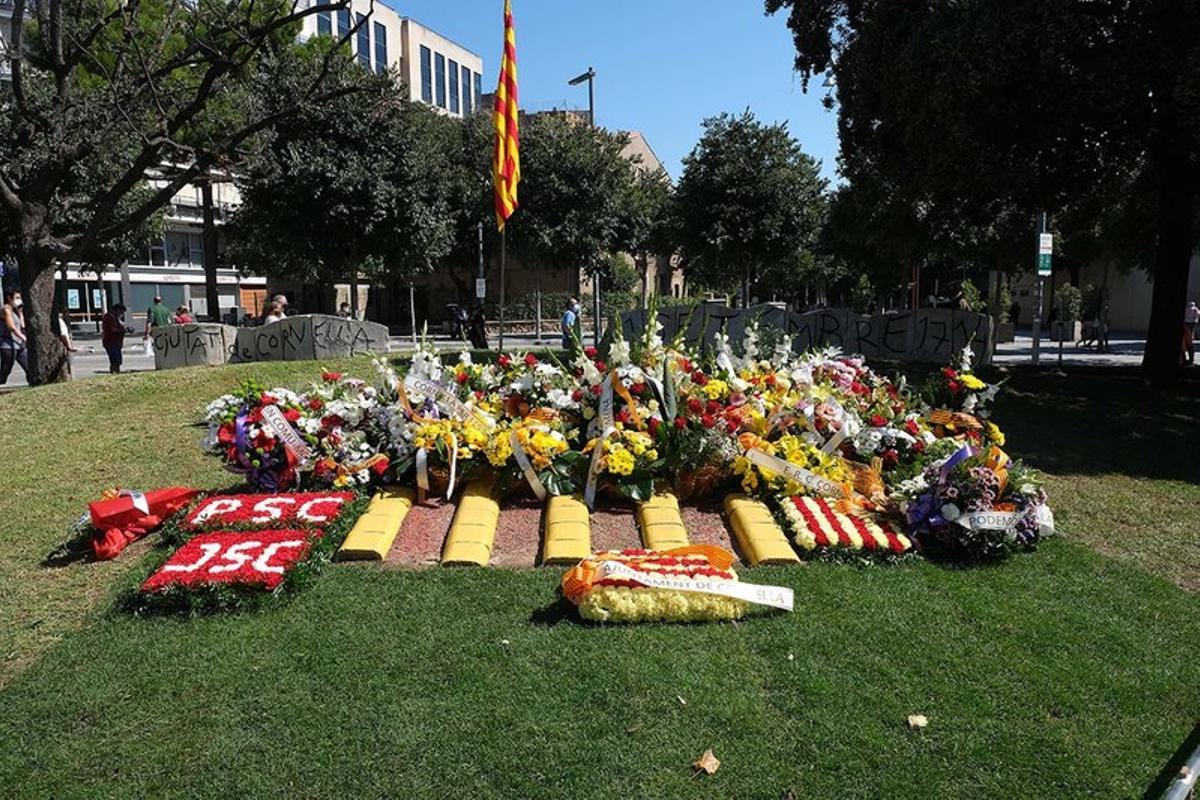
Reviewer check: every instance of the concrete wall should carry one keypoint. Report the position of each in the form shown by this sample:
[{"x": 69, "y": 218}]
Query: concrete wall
[{"x": 415, "y": 35}]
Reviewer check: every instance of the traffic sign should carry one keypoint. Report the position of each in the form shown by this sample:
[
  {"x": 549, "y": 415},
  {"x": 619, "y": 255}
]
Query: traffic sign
[
  {"x": 1045, "y": 253},
  {"x": 481, "y": 288}
]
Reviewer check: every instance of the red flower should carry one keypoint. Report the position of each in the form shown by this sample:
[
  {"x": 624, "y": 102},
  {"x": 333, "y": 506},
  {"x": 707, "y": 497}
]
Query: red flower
[
  {"x": 225, "y": 434},
  {"x": 695, "y": 406},
  {"x": 331, "y": 420},
  {"x": 708, "y": 420},
  {"x": 316, "y": 403},
  {"x": 461, "y": 377},
  {"x": 589, "y": 351},
  {"x": 331, "y": 377},
  {"x": 653, "y": 425},
  {"x": 685, "y": 365},
  {"x": 949, "y": 373},
  {"x": 264, "y": 440},
  {"x": 712, "y": 407},
  {"x": 911, "y": 427},
  {"x": 877, "y": 421},
  {"x": 291, "y": 414},
  {"x": 530, "y": 360},
  {"x": 919, "y": 446},
  {"x": 577, "y": 395},
  {"x": 638, "y": 388},
  {"x": 504, "y": 361},
  {"x": 955, "y": 387},
  {"x": 680, "y": 423},
  {"x": 254, "y": 416},
  {"x": 731, "y": 425},
  {"x": 891, "y": 457},
  {"x": 858, "y": 388},
  {"x": 266, "y": 399},
  {"x": 699, "y": 377},
  {"x": 601, "y": 366},
  {"x": 770, "y": 379},
  {"x": 596, "y": 390},
  {"x": 623, "y": 415},
  {"x": 380, "y": 466}
]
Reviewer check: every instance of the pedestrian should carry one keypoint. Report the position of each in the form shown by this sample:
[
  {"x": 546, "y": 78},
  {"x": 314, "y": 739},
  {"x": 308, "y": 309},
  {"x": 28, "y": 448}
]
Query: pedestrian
[
  {"x": 570, "y": 323},
  {"x": 12, "y": 336},
  {"x": 1014, "y": 313},
  {"x": 157, "y": 315},
  {"x": 183, "y": 316},
  {"x": 344, "y": 310},
  {"x": 112, "y": 336},
  {"x": 274, "y": 313},
  {"x": 478, "y": 330},
  {"x": 1191, "y": 316},
  {"x": 280, "y": 300},
  {"x": 64, "y": 337}
]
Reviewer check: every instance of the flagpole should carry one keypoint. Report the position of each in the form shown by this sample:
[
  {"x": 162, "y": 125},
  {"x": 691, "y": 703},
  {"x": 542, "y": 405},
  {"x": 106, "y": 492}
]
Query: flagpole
[{"x": 503, "y": 266}]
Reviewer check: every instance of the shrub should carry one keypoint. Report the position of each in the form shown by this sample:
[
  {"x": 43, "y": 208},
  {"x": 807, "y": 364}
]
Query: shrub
[{"x": 1069, "y": 303}]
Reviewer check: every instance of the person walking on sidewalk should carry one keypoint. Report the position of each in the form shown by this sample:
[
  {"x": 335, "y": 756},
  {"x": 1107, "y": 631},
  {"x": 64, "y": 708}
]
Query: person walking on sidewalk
[
  {"x": 570, "y": 322},
  {"x": 12, "y": 335},
  {"x": 112, "y": 336}
]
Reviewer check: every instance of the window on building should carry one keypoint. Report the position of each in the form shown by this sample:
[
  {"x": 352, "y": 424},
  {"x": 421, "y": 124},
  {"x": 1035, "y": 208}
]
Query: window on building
[
  {"x": 343, "y": 23},
  {"x": 426, "y": 75},
  {"x": 381, "y": 62},
  {"x": 468, "y": 105},
  {"x": 478, "y": 89},
  {"x": 363, "y": 35},
  {"x": 158, "y": 253},
  {"x": 324, "y": 23},
  {"x": 454, "y": 95},
  {"x": 196, "y": 247},
  {"x": 439, "y": 77}
]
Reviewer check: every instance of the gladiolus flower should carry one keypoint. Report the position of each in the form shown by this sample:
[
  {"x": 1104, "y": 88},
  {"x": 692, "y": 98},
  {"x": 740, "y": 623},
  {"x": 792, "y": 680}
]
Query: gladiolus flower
[
  {"x": 680, "y": 423},
  {"x": 504, "y": 361},
  {"x": 589, "y": 351},
  {"x": 530, "y": 360}
]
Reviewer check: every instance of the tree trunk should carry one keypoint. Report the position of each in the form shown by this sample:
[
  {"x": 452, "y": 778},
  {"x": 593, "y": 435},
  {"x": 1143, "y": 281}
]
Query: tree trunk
[
  {"x": 1172, "y": 262},
  {"x": 47, "y": 357},
  {"x": 209, "y": 234}
]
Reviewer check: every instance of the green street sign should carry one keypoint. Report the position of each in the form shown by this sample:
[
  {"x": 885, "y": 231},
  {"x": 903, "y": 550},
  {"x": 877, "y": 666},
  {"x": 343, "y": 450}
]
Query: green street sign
[
  {"x": 1045, "y": 248},
  {"x": 1043, "y": 264}
]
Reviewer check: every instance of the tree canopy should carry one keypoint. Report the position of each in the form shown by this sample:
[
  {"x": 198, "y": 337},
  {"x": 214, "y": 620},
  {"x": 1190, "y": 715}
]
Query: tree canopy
[
  {"x": 984, "y": 109},
  {"x": 113, "y": 107},
  {"x": 749, "y": 205}
]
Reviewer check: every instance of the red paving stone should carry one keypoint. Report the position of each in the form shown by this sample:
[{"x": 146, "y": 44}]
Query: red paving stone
[
  {"x": 422, "y": 535},
  {"x": 705, "y": 523},
  {"x": 519, "y": 534},
  {"x": 614, "y": 526}
]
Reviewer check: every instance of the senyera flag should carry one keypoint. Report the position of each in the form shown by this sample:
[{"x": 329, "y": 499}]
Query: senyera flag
[{"x": 506, "y": 162}]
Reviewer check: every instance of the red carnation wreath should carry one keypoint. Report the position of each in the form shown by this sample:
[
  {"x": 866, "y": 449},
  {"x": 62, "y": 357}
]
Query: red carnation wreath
[
  {"x": 254, "y": 558},
  {"x": 261, "y": 511}
]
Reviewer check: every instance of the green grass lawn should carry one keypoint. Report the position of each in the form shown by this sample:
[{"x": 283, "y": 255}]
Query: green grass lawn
[{"x": 1068, "y": 673}]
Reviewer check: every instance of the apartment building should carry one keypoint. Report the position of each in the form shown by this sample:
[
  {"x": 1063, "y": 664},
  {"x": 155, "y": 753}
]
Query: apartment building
[{"x": 434, "y": 69}]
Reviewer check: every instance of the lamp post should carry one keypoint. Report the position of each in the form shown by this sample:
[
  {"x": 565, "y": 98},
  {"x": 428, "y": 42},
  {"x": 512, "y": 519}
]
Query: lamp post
[{"x": 590, "y": 77}]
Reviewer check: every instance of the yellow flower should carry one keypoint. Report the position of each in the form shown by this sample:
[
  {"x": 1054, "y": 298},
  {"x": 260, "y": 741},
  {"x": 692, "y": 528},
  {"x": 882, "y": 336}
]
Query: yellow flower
[
  {"x": 716, "y": 389},
  {"x": 994, "y": 434},
  {"x": 971, "y": 382},
  {"x": 620, "y": 461}
]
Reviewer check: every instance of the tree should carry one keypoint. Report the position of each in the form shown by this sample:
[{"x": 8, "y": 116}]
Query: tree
[
  {"x": 750, "y": 200},
  {"x": 1026, "y": 105},
  {"x": 573, "y": 182},
  {"x": 113, "y": 107},
  {"x": 359, "y": 185},
  {"x": 646, "y": 221}
]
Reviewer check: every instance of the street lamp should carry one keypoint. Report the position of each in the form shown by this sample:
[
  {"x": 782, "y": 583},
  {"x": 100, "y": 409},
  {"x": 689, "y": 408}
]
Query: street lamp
[{"x": 590, "y": 77}]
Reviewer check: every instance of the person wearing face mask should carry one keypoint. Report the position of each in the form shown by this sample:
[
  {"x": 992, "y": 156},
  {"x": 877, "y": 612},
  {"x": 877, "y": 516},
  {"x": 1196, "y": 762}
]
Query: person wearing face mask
[
  {"x": 112, "y": 336},
  {"x": 12, "y": 335}
]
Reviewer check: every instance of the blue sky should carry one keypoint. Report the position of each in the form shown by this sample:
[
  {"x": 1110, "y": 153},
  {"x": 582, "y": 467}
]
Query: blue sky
[{"x": 662, "y": 65}]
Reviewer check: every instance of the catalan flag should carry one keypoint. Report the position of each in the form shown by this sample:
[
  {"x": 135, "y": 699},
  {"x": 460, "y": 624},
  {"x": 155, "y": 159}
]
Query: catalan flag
[{"x": 506, "y": 162}]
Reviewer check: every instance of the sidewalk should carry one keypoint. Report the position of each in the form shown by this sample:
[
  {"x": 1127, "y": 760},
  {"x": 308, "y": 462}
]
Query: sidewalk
[{"x": 1124, "y": 350}]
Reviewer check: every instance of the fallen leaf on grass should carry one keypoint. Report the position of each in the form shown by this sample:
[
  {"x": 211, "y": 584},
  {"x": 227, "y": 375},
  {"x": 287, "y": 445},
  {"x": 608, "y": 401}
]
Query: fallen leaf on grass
[
  {"x": 916, "y": 721},
  {"x": 707, "y": 763}
]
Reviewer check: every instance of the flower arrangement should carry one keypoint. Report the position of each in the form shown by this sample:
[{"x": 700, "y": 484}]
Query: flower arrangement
[
  {"x": 977, "y": 504},
  {"x": 618, "y": 586},
  {"x": 626, "y": 461}
]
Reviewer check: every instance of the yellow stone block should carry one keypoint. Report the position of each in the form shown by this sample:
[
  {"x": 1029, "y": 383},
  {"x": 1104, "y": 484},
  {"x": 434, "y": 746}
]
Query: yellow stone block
[
  {"x": 473, "y": 531},
  {"x": 757, "y": 532},
  {"x": 373, "y": 532},
  {"x": 567, "y": 534},
  {"x": 660, "y": 522}
]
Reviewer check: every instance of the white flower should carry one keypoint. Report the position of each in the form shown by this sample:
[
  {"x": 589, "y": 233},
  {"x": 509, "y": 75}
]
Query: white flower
[
  {"x": 464, "y": 358},
  {"x": 618, "y": 352}
]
